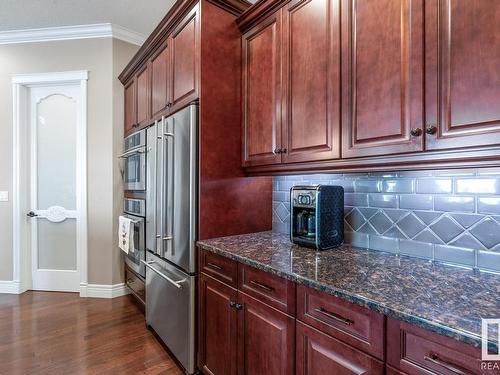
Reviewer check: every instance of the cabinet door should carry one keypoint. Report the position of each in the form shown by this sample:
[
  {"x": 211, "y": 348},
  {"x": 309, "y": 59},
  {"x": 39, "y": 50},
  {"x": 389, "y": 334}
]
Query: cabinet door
[
  {"x": 382, "y": 77},
  {"x": 218, "y": 322},
  {"x": 262, "y": 92},
  {"x": 130, "y": 106},
  {"x": 184, "y": 43},
  {"x": 462, "y": 73},
  {"x": 160, "y": 67},
  {"x": 143, "y": 97},
  {"x": 266, "y": 341},
  {"x": 318, "y": 354},
  {"x": 311, "y": 115}
]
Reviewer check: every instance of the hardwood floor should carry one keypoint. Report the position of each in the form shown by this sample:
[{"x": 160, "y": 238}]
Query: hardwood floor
[{"x": 61, "y": 333}]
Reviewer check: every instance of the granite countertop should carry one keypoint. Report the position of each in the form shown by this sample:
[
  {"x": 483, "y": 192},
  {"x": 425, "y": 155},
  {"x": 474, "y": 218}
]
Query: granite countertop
[{"x": 445, "y": 299}]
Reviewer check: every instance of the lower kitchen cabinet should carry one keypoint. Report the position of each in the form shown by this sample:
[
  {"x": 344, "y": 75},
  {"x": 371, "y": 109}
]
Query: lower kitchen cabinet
[
  {"x": 218, "y": 322},
  {"x": 265, "y": 339},
  {"x": 318, "y": 354}
]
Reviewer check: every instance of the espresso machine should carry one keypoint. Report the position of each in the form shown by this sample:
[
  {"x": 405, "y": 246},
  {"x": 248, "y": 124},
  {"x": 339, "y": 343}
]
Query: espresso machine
[{"x": 317, "y": 216}]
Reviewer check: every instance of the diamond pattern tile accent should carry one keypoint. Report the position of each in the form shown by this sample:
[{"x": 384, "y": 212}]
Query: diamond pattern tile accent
[
  {"x": 446, "y": 229},
  {"x": 450, "y": 215},
  {"x": 427, "y": 236},
  {"x": 427, "y": 216},
  {"x": 466, "y": 240},
  {"x": 394, "y": 232},
  {"x": 367, "y": 212},
  {"x": 282, "y": 212},
  {"x": 355, "y": 219},
  {"x": 410, "y": 225},
  {"x": 487, "y": 232},
  {"x": 380, "y": 222},
  {"x": 367, "y": 228},
  {"x": 467, "y": 220}
]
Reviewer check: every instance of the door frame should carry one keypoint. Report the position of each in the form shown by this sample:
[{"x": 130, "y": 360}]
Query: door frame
[{"x": 22, "y": 276}]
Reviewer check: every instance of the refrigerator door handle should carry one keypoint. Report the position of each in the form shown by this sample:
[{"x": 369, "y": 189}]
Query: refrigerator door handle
[
  {"x": 168, "y": 205},
  {"x": 177, "y": 284},
  {"x": 160, "y": 165}
]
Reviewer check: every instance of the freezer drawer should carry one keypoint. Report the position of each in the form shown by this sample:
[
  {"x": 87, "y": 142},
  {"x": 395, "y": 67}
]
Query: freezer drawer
[{"x": 170, "y": 309}]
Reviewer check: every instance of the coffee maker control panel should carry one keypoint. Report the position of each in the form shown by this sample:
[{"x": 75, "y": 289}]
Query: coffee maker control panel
[{"x": 306, "y": 199}]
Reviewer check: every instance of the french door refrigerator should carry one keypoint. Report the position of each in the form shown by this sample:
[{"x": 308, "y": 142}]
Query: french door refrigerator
[{"x": 171, "y": 230}]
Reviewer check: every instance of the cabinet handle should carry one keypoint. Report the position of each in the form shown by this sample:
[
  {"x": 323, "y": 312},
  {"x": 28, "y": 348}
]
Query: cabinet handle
[
  {"x": 235, "y": 305},
  {"x": 416, "y": 132},
  {"x": 277, "y": 150},
  {"x": 283, "y": 150},
  {"x": 433, "y": 358},
  {"x": 213, "y": 265},
  {"x": 431, "y": 129},
  {"x": 130, "y": 281},
  {"x": 262, "y": 286},
  {"x": 334, "y": 316}
]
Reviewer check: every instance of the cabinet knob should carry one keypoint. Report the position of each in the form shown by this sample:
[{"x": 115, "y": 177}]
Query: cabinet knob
[
  {"x": 416, "y": 132},
  {"x": 277, "y": 150},
  {"x": 431, "y": 129},
  {"x": 283, "y": 150},
  {"x": 235, "y": 305}
]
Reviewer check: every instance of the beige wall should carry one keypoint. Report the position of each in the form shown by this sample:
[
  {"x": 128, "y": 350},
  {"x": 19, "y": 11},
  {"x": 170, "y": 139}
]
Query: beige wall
[{"x": 103, "y": 58}]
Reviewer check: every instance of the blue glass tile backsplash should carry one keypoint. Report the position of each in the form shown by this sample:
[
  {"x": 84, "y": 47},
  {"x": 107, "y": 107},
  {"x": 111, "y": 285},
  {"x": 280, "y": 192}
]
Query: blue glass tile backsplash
[{"x": 451, "y": 216}]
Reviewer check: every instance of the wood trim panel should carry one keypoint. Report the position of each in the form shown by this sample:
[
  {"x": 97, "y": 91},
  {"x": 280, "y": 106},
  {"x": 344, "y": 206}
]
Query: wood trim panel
[
  {"x": 476, "y": 74},
  {"x": 217, "y": 327},
  {"x": 383, "y": 139},
  {"x": 167, "y": 24},
  {"x": 408, "y": 345},
  {"x": 365, "y": 330},
  {"x": 253, "y": 102},
  {"x": 311, "y": 86}
]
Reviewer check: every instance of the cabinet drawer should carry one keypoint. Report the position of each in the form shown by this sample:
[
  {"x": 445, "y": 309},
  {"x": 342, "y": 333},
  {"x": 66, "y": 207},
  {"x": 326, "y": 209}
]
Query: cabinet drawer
[
  {"x": 219, "y": 267},
  {"x": 136, "y": 284},
  {"x": 414, "y": 350},
  {"x": 273, "y": 290},
  {"x": 318, "y": 354},
  {"x": 353, "y": 324}
]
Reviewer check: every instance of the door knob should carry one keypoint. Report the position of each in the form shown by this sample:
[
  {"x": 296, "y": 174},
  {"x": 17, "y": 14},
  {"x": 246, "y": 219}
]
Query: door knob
[
  {"x": 31, "y": 214},
  {"x": 431, "y": 129},
  {"x": 416, "y": 132}
]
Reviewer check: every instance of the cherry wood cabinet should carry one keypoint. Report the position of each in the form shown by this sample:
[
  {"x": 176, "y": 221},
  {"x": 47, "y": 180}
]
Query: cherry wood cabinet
[
  {"x": 160, "y": 73},
  {"x": 386, "y": 85},
  {"x": 184, "y": 43},
  {"x": 261, "y": 47},
  {"x": 143, "y": 96},
  {"x": 416, "y": 351},
  {"x": 218, "y": 327},
  {"x": 266, "y": 341},
  {"x": 382, "y": 77},
  {"x": 311, "y": 65},
  {"x": 130, "y": 106},
  {"x": 462, "y": 73},
  {"x": 318, "y": 353}
]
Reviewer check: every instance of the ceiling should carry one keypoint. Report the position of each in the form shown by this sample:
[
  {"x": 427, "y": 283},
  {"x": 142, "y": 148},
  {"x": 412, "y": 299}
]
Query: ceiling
[{"x": 140, "y": 16}]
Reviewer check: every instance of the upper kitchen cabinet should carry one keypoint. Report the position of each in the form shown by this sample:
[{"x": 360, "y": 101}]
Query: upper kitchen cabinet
[
  {"x": 184, "y": 43},
  {"x": 143, "y": 96},
  {"x": 261, "y": 48},
  {"x": 462, "y": 73},
  {"x": 160, "y": 71},
  {"x": 382, "y": 77},
  {"x": 311, "y": 62},
  {"x": 130, "y": 106}
]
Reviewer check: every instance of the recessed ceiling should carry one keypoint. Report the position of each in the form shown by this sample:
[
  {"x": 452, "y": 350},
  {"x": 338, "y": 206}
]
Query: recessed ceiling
[{"x": 140, "y": 16}]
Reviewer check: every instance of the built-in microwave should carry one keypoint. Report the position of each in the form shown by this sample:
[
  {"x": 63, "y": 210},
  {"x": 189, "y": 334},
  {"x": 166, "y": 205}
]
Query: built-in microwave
[{"x": 134, "y": 156}]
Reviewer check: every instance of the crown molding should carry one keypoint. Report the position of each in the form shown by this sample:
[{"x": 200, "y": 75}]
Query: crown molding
[{"x": 48, "y": 34}]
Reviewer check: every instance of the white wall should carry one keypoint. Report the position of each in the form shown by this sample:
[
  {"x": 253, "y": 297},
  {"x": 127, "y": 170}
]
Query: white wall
[{"x": 103, "y": 58}]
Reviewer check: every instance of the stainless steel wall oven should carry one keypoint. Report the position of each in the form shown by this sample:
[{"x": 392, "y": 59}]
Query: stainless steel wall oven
[{"x": 135, "y": 210}]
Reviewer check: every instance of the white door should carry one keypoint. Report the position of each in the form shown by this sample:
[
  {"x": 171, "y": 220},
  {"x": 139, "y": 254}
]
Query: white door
[{"x": 53, "y": 130}]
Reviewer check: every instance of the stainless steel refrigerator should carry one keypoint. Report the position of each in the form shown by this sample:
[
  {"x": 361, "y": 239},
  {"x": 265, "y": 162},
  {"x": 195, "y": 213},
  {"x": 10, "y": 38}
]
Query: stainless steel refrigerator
[{"x": 171, "y": 218}]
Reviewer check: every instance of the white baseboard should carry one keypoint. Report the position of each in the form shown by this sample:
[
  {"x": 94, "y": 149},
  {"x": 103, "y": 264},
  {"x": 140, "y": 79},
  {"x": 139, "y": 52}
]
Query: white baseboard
[
  {"x": 103, "y": 291},
  {"x": 10, "y": 287}
]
